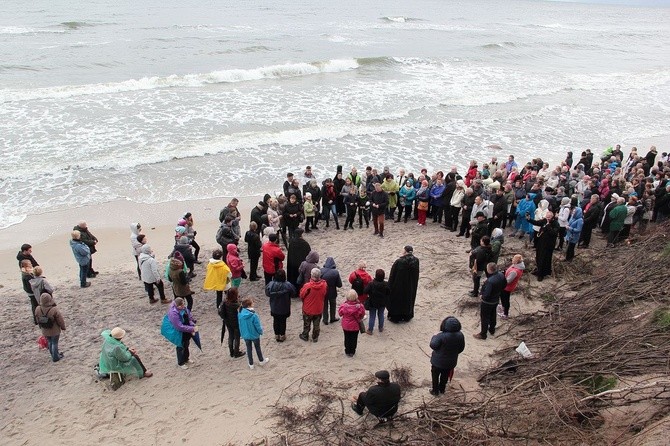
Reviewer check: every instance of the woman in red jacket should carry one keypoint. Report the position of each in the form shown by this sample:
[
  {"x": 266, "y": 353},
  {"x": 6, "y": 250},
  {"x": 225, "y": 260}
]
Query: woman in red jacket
[
  {"x": 359, "y": 285},
  {"x": 351, "y": 312}
]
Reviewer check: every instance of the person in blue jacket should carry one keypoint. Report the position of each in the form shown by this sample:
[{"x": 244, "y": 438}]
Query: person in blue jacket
[
  {"x": 575, "y": 225},
  {"x": 407, "y": 195},
  {"x": 436, "y": 200},
  {"x": 251, "y": 331},
  {"x": 521, "y": 225},
  {"x": 82, "y": 254},
  {"x": 446, "y": 346},
  {"x": 179, "y": 327}
]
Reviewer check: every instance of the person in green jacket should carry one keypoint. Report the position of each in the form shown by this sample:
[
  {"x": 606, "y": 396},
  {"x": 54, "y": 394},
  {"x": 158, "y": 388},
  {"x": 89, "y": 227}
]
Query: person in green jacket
[
  {"x": 118, "y": 358},
  {"x": 617, "y": 217},
  {"x": 391, "y": 188}
]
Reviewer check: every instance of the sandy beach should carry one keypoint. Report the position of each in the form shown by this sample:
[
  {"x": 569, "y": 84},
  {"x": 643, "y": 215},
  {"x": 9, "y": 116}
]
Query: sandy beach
[{"x": 219, "y": 400}]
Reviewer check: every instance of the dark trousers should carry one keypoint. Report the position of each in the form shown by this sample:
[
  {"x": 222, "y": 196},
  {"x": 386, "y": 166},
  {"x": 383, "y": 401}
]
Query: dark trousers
[
  {"x": 350, "y": 342},
  {"x": 250, "y": 352},
  {"x": 612, "y": 236},
  {"x": 585, "y": 236},
  {"x": 219, "y": 298},
  {"x": 476, "y": 281},
  {"x": 351, "y": 217},
  {"x": 329, "y": 304},
  {"x": 33, "y": 306},
  {"x": 390, "y": 212},
  {"x": 268, "y": 277},
  {"x": 440, "y": 378},
  {"x": 454, "y": 211},
  {"x": 182, "y": 352},
  {"x": 91, "y": 272},
  {"x": 139, "y": 273},
  {"x": 253, "y": 268},
  {"x": 233, "y": 340},
  {"x": 408, "y": 212},
  {"x": 378, "y": 222},
  {"x": 149, "y": 287},
  {"x": 279, "y": 324},
  {"x": 363, "y": 213},
  {"x": 488, "y": 318},
  {"x": 196, "y": 248},
  {"x": 570, "y": 253},
  {"x": 83, "y": 274},
  {"x": 309, "y": 224},
  {"x": 314, "y": 322},
  {"x": 437, "y": 214},
  {"x": 505, "y": 301},
  {"x": 561, "y": 237},
  {"x": 465, "y": 224}
]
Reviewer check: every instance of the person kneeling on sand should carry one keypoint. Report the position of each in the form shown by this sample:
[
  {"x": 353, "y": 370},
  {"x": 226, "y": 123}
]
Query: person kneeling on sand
[
  {"x": 116, "y": 357},
  {"x": 381, "y": 399}
]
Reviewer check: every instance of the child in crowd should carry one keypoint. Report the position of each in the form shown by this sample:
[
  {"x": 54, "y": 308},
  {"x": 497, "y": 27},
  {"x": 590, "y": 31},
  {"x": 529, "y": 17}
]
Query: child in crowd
[
  {"x": 251, "y": 331},
  {"x": 310, "y": 212}
]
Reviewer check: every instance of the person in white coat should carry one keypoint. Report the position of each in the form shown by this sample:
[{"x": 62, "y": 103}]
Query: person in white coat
[{"x": 151, "y": 275}]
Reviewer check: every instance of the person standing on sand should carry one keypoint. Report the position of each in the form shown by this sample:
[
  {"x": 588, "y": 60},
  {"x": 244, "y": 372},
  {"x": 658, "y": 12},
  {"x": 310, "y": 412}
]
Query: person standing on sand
[
  {"x": 313, "y": 295},
  {"x": 280, "y": 293},
  {"x": 218, "y": 277},
  {"x": 447, "y": 344},
  {"x": 352, "y": 312},
  {"x": 235, "y": 264},
  {"x": 191, "y": 233},
  {"x": 151, "y": 275},
  {"x": 253, "y": 242},
  {"x": 51, "y": 322},
  {"x": 26, "y": 253},
  {"x": 379, "y": 201},
  {"x": 39, "y": 284},
  {"x": 512, "y": 276},
  {"x": 331, "y": 276},
  {"x": 82, "y": 254},
  {"x": 378, "y": 292},
  {"x": 26, "y": 276},
  {"x": 273, "y": 257},
  {"x": 297, "y": 253},
  {"x": 359, "y": 279},
  {"x": 251, "y": 331},
  {"x": 90, "y": 240},
  {"x": 180, "y": 280},
  {"x": 179, "y": 327},
  {"x": 403, "y": 282},
  {"x": 491, "y": 290},
  {"x": 228, "y": 311},
  {"x": 137, "y": 239}
]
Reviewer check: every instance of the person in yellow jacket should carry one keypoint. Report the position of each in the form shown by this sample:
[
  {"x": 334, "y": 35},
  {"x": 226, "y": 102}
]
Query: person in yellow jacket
[
  {"x": 218, "y": 277},
  {"x": 391, "y": 188}
]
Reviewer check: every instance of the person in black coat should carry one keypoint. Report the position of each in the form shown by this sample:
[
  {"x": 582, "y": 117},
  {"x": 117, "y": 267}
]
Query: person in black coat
[
  {"x": 339, "y": 182},
  {"x": 184, "y": 248},
  {"x": 378, "y": 292},
  {"x": 491, "y": 291},
  {"x": 331, "y": 276},
  {"x": 292, "y": 215},
  {"x": 26, "y": 253},
  {"x": 297, "y": 253},
  {"x": 381, "y": 399},
  {"x": 228, "y": 311},
  {"x": 592, "y": 213},
  {"x": 253, "y": 241},
  {"x": 403, "y": 281},
  {"x": 544, "y": 244},
  {"x": 280, "y": 293},
  {"x": 446, "y": 346}
]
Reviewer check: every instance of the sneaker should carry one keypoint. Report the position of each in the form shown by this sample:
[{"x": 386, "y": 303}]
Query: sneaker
[
  {"x": 166, "y": 301},
  {"x": 264, "y": 361},
  {"x": 315, "y": 339},
  {"x": 190, "y": 361},
  {"x": 239, "y": 354},
  {"x": 251, "y": 366},
  {"x": 148, "y": 374},
  {"x": 183, "y": 367},
  {"x": 304, "y": 337},
  {"x": 473, "y": 294},
  {"x": 153, "y": 301},
  {"x": 479, "y": 336}
]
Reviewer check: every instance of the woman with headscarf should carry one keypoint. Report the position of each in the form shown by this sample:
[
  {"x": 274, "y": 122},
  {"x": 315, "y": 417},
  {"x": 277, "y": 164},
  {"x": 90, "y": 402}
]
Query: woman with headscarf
[{"x": 540, "y": 212}]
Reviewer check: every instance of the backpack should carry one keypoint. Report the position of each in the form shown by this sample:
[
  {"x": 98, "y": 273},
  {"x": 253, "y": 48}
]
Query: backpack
[
  {"x": 45, "y": 321},
  {"x": 358, "y": 285}
]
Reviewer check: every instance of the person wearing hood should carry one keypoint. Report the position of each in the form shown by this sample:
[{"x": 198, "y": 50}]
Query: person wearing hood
[
  {"x": 26, "y": 253},
  {"x": 512, "y": 276},
  {"x": 297, "y": 253},
  {"x": 235, "y": 264},
  {"x": 51, "y": 323},
  {"x": 251, "y": 331},
  {"x": 191, "y": 233},
  {"x": 39, "y": 284},
  {"x": 306, "y": 267},
  {"x": 352, "y": 312},
  {"x": 525, "y": 207},
  {"x": 540, "y": 212},
  {"x": 313, "y": 296},
  {"x": 331, "y": 276},
  {"x": 563, "y": 217},
  {"x": 617, "y": 216},
  {"x": 82, "y": 254},
  {"x": 179, "y": 327},
  {"x": 90, "y": 240},
  {"x": 184, "y": 248},
  {"x": 497, "y": 240},
  {"x": 151, "y": 275},
  {"x": 446, "y": 346},
  {"x": 280, "y": 293},
  {"x": 574, "y": 231},
  {"x": 218, "y": 277},
  {"x": 257, "y": 215},
  {"x": 544, "y": 244},
  {"x": 490, "y": 296},
  {"x": 180, "y": 280},
  {"x": 116, "y": 357},
  {"x": 403, "y": 282},
  {"x": 137, "y": 239}
]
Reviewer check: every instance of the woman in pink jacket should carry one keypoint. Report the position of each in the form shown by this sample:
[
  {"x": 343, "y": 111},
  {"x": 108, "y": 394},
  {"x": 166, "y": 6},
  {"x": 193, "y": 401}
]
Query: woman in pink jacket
[
  {"x": 235, "y": 264},
  {"x": 351, "y": 312}
]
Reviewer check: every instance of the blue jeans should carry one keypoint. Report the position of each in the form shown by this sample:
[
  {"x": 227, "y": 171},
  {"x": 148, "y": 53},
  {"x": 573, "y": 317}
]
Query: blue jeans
[
  {"x": 250, "y": 354},
  {"x": 83, "y": 274},
  {"x": 330, "y": 209},
  {"x": 374, "y": 312},
  {"x": 53, "y": 347}
]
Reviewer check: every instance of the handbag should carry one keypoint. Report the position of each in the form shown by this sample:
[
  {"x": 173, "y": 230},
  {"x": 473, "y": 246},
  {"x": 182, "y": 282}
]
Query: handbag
[
  {"x": 423, "y": 205},
  {"x": 361, "y": 326}
]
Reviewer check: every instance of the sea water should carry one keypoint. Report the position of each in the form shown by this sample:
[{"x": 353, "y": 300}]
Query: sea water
[{"x": 153, "y": 101}]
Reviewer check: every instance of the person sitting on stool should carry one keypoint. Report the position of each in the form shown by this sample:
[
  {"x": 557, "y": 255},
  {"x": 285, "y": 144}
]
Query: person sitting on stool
[{"x": 381, "y": 399}]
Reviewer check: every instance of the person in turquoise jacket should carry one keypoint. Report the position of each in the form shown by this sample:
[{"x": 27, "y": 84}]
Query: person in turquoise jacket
[
  {"x": 575, "y": 225},
  {"x": 407, "y": 195},
  {"x": 251, "y": 331},
  {"x": 118, "y": 358}
]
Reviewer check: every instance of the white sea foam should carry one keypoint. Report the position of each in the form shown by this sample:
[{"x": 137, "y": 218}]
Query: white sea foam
[
  {"x": 27, "y": 30},
  {"x": 189, "y": 80}
]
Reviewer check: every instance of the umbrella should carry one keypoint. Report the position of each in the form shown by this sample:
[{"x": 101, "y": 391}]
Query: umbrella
[
  {"x": 223, "y": 331},
  {"x": 196, "y": 340}
]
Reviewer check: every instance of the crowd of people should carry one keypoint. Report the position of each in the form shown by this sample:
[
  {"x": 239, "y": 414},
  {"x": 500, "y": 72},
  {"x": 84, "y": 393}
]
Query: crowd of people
[{"x": 554, "y": 208}]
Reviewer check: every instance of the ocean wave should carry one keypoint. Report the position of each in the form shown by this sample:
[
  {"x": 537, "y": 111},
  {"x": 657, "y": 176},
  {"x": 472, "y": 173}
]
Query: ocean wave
[
  {"x": 25, "y": 30},
  {"x": 400, "y": 19},
  {"x": 75, "y": 25},
  {"x": 499, "y": 46},
  {"x": 189, "y": 80}
]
